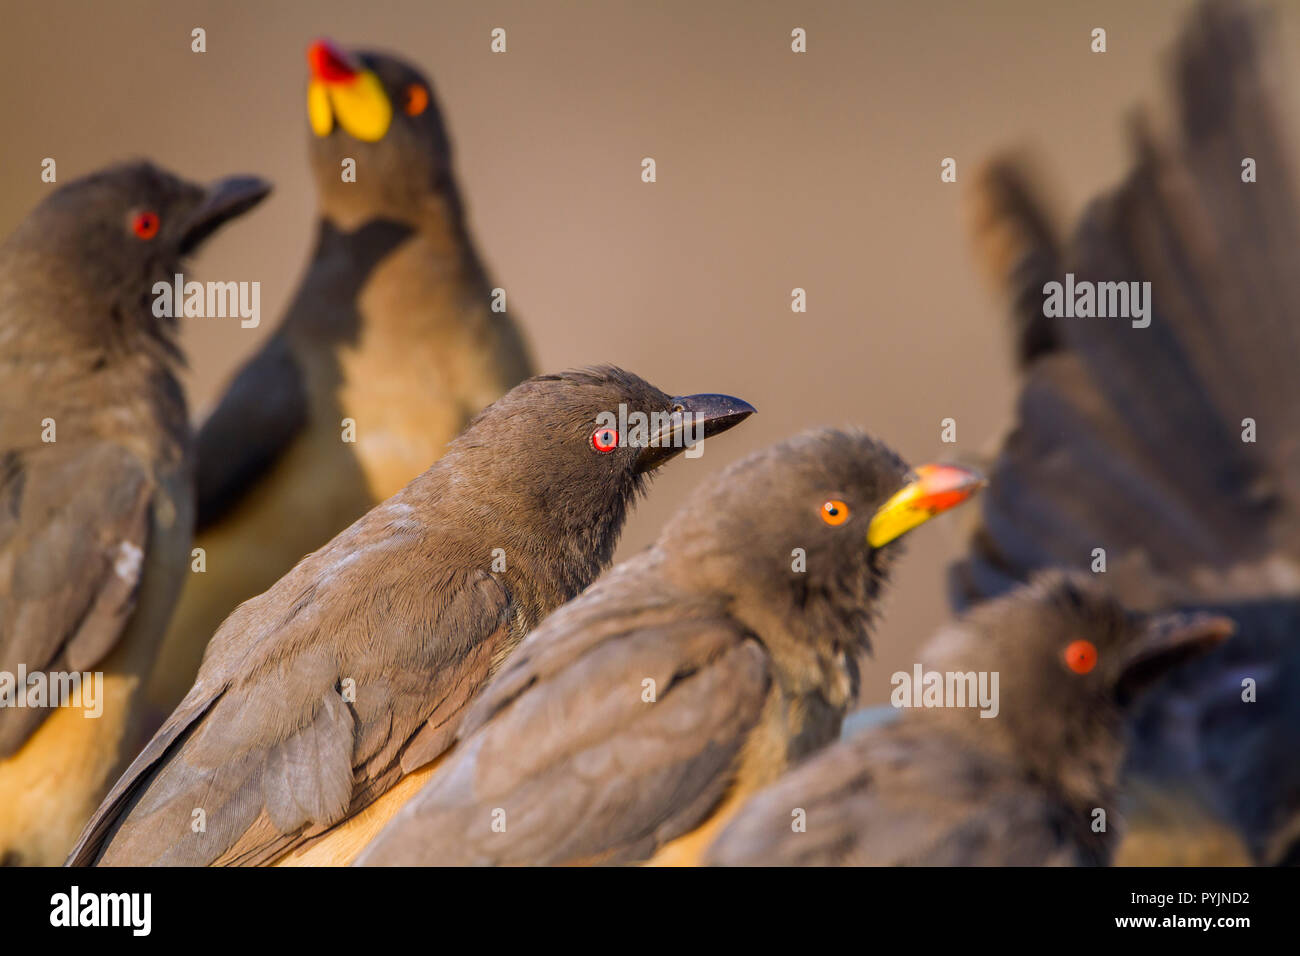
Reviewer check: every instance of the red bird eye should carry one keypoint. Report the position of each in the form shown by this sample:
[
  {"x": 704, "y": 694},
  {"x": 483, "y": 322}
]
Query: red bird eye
[
  {"x": 145, "y": 225},
  {"x": 604, "y": 440},
  {"x": 1081, "y": 656}
]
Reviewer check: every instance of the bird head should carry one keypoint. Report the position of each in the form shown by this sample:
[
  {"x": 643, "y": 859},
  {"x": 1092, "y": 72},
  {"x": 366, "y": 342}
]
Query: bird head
[
  {"x": 563, "y": 456},
  {"x": 109, "y": 237},
  {"x": 1071, "y": 662},
  {"x": 380, "y": 112},
  {"x": 807, "y": 530}
]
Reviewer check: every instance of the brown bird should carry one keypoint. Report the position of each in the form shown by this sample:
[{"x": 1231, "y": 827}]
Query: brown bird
[
  {"x": 393, "y": 328},
  {"x": 95, "y": 482},
  {"x": 1169, "y": 450},
  {"x": 318, "y": 696},
  {"x": 632, "y": 721},
  {"x": 1027, "y": 779}
]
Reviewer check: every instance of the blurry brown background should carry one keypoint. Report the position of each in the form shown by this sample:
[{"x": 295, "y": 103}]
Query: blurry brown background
[{"x": 776, "y": 170}]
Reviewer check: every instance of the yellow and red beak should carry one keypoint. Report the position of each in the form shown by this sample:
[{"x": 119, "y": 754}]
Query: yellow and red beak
[
  {"x": 934, "y": 490},
  {"x": 342, "y": 88}
]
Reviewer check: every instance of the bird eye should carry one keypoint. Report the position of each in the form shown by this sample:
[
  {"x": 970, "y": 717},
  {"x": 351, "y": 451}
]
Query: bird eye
[
  {"x": 145, "y": 224},
  {"x": 1081, "y": 656},
  {"x": 416, "y": 100},
  {"x": 604, "y": 440},
  {"x": 835, "y": 512}
]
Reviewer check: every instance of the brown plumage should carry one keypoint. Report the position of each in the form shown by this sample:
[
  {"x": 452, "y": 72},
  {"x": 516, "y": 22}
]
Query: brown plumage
[
  {"x": 392, "y": 327},
  {"x": 630, "y": 722},
  {"x": 318, "y": 696},
  {"x": 1016, "y": 784},
  {"x": 95, "y": 524}
]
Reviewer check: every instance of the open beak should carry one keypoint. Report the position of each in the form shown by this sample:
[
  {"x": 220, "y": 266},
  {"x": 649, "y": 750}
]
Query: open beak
[
  {"x": 342, "y": 88},
  {"x": 1169, "y": 640},
  {"x": 935, "y": 489},
  {"x": 694, "y": 418},
  {"x": 225, "y": 200}
]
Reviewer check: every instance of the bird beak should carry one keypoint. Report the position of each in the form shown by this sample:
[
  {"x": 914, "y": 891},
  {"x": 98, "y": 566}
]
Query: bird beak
[
  {"x": 341, "y": 87},
  {"x": 935, "y": 489},
  {"x": 693, "y": 419},
  {"x": 224, "y": 200},
  {"x": 1169, "y": 640}
]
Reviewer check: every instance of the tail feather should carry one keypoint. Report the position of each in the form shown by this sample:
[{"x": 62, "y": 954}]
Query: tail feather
[
  {"x": 1133, "y": 439},
  {"x": 1019, "y": 246}
]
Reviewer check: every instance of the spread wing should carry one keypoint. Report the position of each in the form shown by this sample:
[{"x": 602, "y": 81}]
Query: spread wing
[
  {"x": 1135, "y": 439},
  {"x": 610, "y": 732},
  {"x": 74, "y": 529},
  {"x": 311, "y": 700},
  {"x": 895, "y": 796},
  {"x": 261, "y": 412}
]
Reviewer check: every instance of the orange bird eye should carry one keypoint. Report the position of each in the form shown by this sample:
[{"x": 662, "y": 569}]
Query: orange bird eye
[
  {"x": 835, "y": 512},
  {"x": 604, "y": 440},
  {"x": 416, "y": 100},
  {"x": 1081, "y": 656},
  {"x": 145, "y": 225}
]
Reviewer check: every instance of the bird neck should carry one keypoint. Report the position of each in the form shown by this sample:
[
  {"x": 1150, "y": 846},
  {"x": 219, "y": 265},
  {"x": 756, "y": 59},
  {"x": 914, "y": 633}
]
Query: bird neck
[
  {"x": 548, "y": 552},
  {"x": 814, "y": 639},
  {"x": 437, "y": 214},
  {"x": 1077, "y": 767},
  {"x": 418, "y": 279}
]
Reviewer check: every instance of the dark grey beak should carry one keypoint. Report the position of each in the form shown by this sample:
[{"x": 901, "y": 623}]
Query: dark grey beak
[
  {"x": 225, "y": 200},
  {"x": 1170, "y": 639},
  {"x": 693, "y": 418}
]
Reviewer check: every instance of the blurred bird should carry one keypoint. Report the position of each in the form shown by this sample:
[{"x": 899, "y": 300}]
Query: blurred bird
[
  {"x": 947, "y": 787},
  {"x": 96, "y": 479},
  {"x": 1173, "y": 447},
  {"x": 634, "y": 719},
  {"x": 318, "y": 696},
  {"x": 392, "y": 328}
]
